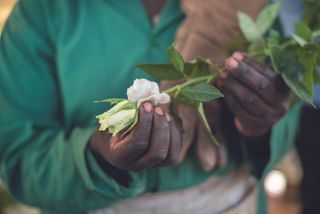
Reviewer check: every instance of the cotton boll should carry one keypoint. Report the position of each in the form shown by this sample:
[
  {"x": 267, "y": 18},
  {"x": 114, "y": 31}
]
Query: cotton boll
[
  {"x": 142, "y": 88},
  {"x": 156, "y": 99},
  {"x": 125, "y": 113}
]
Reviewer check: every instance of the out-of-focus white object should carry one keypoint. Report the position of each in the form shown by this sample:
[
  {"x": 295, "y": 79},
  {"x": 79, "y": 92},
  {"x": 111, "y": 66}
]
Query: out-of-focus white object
[
  {"x": 144, "y": 90},
  {"x": 275, "y": 184}
]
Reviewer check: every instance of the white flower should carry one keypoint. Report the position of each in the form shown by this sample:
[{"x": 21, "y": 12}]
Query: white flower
[
  {"x": 125, "y": 113},
  {"x": 144, "y": 90}
]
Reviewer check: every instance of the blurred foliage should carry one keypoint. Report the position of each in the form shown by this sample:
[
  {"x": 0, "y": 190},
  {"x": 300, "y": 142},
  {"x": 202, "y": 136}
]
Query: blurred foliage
[{"x": 311, "y": 15}]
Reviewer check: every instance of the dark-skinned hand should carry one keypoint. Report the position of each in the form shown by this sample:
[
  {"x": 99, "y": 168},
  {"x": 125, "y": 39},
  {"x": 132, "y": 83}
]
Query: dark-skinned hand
[
  {"x": 154, "y": 141},
  {"x": 255, "y": 94}
]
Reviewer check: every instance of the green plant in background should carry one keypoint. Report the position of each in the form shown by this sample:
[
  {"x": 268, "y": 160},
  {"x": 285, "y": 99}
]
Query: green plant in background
[{"x": 295, "y": 58}]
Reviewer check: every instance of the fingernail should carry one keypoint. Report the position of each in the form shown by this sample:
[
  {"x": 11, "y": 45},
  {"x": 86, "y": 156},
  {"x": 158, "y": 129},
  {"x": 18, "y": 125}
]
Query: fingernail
[
  {"x": 168, "y": 117},
  {"x": 232, "y": 63},
  {"x": 237, "y": 55},
  {"x": 159, "y": 111},
  {"x": 147, "y": 107}
]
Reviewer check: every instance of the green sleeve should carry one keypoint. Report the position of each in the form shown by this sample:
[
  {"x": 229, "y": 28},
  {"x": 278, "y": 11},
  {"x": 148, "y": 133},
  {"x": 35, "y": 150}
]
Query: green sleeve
[
  {"x": 44, "y": 160},
  {"x": 262, "y": 157},
  {"x": 283, "y": 136}
]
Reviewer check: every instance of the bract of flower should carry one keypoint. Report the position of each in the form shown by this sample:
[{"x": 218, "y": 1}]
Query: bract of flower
[
  {"x": 117, "y": 121},
  {"x": 120, "y": 114}
]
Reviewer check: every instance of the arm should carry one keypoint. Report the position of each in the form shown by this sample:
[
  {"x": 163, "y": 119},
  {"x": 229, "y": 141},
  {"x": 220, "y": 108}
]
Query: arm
[{"x": 45, "y": 161}]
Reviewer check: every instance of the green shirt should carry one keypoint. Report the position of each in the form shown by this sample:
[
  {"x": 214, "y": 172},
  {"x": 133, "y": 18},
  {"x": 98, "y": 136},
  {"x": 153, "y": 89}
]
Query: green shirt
[{"x": 56, "y": 58}]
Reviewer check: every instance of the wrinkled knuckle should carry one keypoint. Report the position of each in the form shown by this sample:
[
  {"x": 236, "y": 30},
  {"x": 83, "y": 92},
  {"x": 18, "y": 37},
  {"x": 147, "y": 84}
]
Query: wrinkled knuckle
[
  {"x": 267, "y": 70},
  {"x": 242, "y": 71},
  {"x": 140, "y": 144},
  {"x": 251, "y": 99},
  {"x": 158, "y": 156},
  {"x": 264, "y": 85},
  {"x": 146, "y": 123},
  {"x": 163, "y": 127}
]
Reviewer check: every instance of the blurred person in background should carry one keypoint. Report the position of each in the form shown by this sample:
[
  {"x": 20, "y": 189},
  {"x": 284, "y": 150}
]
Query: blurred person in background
[{"x": 57, "y": 57}]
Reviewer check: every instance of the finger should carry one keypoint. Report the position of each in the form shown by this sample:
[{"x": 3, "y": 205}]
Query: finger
[
  {"x": 260, "y": 67},
  {"x": 223, "y": 157},
  {"x": 248, "y": 100},
  {"x": 255, "y": 81},
  {"x": 280, "y": 85},
  {"x": 206, "y": 150},
  {"x": 175, "y": 146},
  {"x": 242, "y": 127},
  {"x": 188, "y": 116},
  {"x": 159, "y": 143},
  {"x": 134, "y": 145},
  {"x": 252, "y": 123}
]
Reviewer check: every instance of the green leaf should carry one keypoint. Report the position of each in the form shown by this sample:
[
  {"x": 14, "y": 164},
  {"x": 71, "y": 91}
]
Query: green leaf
[
  {"x": 299, "y": 40},
  {"x": 201, "y": 92},
  {"x": 316, "y": 77},
  {"x": 135, "y": 120},
  {"x": 161, "y": 71},
  {"x": 248, "y": 27},
  {"x": 303, "y": 31},
  {"x": 307, "y": 58},
  {"x": 274, "y": 50},
  {"x": 111, "y": 100},
  {"x": 292, "y": 73},
  {"x": 257, "y": 50},
  {"x": 206, "y": 124},
  {"x": 267, "y": 17},
  {"x": 176, "y": 59},
  {"x": 311, "y": 13},
  {"x": 197, "y": 68}
]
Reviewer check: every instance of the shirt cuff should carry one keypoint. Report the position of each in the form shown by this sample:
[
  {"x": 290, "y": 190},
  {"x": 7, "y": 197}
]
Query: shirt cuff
[{"x": 94, "y": 178}]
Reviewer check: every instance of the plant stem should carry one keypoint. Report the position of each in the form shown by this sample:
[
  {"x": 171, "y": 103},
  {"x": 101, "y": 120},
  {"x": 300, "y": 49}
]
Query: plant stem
[
  {"x": 205, "y": 123},
  {"x": 187, "y": 83},
  {"x": 288, "y": 43}
]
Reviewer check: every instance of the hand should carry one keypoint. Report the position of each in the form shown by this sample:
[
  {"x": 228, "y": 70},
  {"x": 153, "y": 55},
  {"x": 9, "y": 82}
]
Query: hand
[
  {"x": 256, "y": 95},
  {"x": 208, "y": 154},
  {"x": 154, "y": 141},
  {"x": 209, "y": 25}
]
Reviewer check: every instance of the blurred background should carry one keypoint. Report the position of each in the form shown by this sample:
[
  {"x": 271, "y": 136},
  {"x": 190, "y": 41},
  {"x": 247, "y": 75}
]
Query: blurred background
[{"x": 290, "y": 187}]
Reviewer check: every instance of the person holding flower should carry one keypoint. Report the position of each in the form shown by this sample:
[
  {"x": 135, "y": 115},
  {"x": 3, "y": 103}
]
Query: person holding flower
[{"x": 57, "y": 57}]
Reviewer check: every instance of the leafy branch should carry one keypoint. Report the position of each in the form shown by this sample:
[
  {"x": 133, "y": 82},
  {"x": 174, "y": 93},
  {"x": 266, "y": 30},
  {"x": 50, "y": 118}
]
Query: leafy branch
[
  {"x": 295, "y": 58},
  {"x": 196, "y": 88}
]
